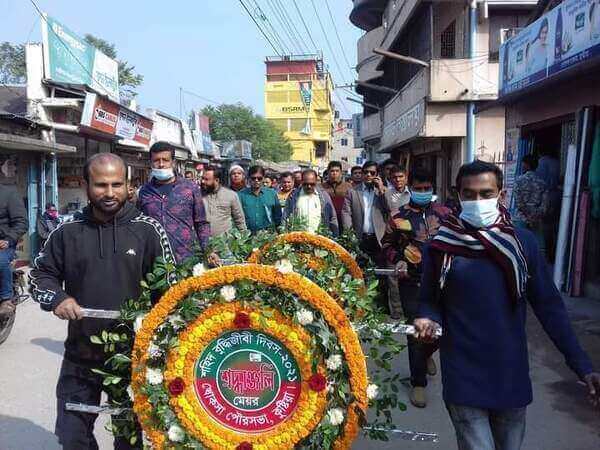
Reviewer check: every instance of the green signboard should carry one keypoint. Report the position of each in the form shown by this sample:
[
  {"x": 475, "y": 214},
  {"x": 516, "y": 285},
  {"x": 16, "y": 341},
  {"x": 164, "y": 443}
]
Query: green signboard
[{"x": 69, "y": 59}]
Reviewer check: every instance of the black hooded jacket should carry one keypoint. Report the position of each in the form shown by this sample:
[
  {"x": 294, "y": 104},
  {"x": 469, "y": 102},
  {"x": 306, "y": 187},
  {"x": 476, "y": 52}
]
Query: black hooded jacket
[{"x": 101, "y": 266}]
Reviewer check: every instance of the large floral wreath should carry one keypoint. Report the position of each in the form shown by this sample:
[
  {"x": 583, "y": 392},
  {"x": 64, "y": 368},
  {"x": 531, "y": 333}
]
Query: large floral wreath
[{"x": 321, "y": 332}]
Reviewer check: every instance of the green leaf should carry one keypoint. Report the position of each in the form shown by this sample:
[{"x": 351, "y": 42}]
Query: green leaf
[{"x": 95, "y": 340}]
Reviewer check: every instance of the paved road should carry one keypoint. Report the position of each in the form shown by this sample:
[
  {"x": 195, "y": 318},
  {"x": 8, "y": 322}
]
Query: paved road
[{"x": 559, "y": 419}]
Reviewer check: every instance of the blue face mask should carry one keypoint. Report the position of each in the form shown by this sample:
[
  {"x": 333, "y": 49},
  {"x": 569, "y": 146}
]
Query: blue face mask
[
  {"x": 163, "y": 174},
  {"x": 421, "y": 198},
  {"x": 480, "y": 213}
]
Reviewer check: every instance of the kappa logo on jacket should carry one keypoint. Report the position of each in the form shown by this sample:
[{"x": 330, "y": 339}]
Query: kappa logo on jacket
[{"x": 131, "y": 252}]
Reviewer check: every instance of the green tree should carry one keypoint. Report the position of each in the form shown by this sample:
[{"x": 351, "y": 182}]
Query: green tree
[
  {"x": 129, "y": 80},
  {"x": 12, "y": 63},
  {"x": 233, "y": 122}
]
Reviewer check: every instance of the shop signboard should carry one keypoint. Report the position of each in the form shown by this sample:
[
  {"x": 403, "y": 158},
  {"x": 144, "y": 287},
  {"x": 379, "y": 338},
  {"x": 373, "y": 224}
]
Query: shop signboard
[
  {"x": 510, "y": 165},
  {"x": 104, "y": 115},
  {"x": 200, "y": 126},
  {"x": 69, "y": 59},
  {"x": 237, "y": 150},
  {"x": 566, "y": 36},
  {"x": 406, "y": 126},
  {"x": 357, "y": 130}
]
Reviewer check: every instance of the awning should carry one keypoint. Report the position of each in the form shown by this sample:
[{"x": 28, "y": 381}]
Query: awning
[{"x": 15, "y": 142}]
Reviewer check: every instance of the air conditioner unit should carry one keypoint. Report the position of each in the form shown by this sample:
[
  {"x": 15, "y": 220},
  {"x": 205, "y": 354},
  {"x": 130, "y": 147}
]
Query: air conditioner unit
[{"x": 507, "y": 33}]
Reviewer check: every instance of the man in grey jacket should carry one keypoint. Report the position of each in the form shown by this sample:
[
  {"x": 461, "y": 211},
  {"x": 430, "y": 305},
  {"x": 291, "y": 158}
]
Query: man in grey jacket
[
  {"x": 312, "y": 204},
  {"x": 13, "y": 225},
  {"x": 222, "y": 205}
]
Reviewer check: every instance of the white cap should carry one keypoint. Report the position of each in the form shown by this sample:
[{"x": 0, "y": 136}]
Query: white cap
[{"x": 234, "y": 167}]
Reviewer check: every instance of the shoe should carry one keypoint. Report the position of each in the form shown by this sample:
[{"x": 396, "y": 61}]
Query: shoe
[
  {"x": 431, "y": 367},
  {"x": 417, "y": 397},
  {"x": 7, "y": 308}
]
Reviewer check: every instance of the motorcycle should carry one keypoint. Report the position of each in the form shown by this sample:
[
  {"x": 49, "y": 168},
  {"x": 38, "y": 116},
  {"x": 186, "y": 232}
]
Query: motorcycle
[{"x": 20, "y": 295}]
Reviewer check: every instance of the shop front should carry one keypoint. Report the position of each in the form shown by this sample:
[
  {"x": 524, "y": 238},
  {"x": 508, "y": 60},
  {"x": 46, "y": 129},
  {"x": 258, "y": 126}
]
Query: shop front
[{"x": 552, "y": 111}]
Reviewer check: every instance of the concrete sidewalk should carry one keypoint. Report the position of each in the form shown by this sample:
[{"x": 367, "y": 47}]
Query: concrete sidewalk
[{"x": 559, "y": 419}]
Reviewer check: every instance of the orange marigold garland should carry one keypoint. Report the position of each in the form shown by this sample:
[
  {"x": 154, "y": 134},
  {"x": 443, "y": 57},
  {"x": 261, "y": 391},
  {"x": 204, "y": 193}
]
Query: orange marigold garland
[{"x": 235, "y": 316}]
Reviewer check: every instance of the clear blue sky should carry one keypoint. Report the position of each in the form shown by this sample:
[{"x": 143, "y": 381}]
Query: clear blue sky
[{"x": 210, "y": 47}]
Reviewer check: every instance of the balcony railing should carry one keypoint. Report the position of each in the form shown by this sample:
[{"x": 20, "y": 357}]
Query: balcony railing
[{"x": 367, "y": 60}]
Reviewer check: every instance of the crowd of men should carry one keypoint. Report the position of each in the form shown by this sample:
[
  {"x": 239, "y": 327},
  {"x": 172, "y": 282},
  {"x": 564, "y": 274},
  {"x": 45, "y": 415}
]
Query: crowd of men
[{"x": 442, "y": 255}]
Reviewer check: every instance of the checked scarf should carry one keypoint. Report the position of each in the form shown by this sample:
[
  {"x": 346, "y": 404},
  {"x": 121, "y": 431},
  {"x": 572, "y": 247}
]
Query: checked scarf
[{"x": 498, "y": 241}]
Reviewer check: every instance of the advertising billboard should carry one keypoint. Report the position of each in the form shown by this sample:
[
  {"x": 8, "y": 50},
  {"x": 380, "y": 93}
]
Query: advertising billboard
[
  {"x": 106, "y": 116},
  {"x": 566, "y": 36},
  {"x": 201, "y": 132},
  {"x": 69, "y": 59}
]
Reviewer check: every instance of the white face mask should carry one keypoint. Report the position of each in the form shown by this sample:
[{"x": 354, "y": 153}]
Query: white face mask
[
  {"x": 163, "y": 174},
  {"x": 480, "y": 213}
]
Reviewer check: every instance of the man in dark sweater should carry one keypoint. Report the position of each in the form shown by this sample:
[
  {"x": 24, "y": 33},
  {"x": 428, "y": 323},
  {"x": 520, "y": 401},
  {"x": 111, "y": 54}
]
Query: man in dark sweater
[
  {"x": 101, "y": 256},
  {"x": 478, "y": 273},
  {"x": 13, "y": 225}
]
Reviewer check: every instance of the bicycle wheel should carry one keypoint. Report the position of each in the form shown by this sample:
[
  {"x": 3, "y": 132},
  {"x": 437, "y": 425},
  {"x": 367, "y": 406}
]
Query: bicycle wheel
[{"x": 6, "y": 324}]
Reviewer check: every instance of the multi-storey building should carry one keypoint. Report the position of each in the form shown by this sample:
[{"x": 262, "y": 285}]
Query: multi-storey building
[
  {"x": 439, "y": 66},
  {"x": 298, "y": 92},
  {"x": 344, "y": 147}
]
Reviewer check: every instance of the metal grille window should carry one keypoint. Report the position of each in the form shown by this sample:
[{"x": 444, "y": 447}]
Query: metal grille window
[
  {"x": 344, "y": 142},
  {"x": 448, "y": 41}
]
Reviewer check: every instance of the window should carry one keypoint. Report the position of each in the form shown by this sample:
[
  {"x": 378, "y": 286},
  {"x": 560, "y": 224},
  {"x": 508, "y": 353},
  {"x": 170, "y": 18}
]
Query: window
[
  {"x": 448, "y": 41},
  {"x": 344, "y": 142},
  {"x": 349, "y": 125}
]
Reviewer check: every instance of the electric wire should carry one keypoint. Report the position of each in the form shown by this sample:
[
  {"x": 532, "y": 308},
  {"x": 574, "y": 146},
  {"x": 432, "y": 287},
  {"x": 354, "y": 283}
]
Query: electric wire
[
  {"x": 259, "y": 27},
  {"x": 306, "y": 26},
  {"x": 263, "y": 16},
  {"x": 293, "y": 45},
  {"x": 293, "y": 28},
  {"x": 338, "y": 35}
]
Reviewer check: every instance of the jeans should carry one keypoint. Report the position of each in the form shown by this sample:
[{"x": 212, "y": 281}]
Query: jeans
[
  {"x": 418, "y": 352},
  {"x": 6, "y": 284},
  {"x": 75, "y": 430},
  {"x": 484, "y": 429}
]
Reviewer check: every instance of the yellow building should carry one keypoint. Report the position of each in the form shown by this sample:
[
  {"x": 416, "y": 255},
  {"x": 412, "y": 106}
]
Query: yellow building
[{"x": 298, "y": 101}]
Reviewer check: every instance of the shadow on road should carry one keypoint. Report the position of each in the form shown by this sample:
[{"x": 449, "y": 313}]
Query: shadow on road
[
  {"x": 52, "y": 345},
  {"x": 19, "y": 434}
]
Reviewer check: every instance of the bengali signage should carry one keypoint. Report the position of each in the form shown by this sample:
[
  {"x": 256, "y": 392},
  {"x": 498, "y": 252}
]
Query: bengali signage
[
  {"x": 104, "y": 115},
  {"x": 566, "y": 36},
  {"x": 306, "y": 93},
  {"x": 69, "y": 59},
  {"x": 247, "y": 381},
  {"x": 406, "y": 126}
]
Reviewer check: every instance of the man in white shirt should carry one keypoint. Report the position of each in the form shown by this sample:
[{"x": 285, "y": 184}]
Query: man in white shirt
[{"x": 312, "y": 204}]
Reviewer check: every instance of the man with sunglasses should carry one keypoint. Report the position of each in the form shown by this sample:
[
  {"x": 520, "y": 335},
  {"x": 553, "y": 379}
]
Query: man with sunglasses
[
  {"x": 312, "y": 204},
  {"x": 260, "y": 204}
]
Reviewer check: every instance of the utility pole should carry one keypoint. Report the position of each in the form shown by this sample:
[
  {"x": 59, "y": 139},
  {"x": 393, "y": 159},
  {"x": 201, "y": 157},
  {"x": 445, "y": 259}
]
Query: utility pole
[{"x": 471, "y": 105}]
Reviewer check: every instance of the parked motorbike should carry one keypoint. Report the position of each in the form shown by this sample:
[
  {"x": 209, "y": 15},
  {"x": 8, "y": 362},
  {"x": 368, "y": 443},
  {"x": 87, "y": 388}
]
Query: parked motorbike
[{"x": 20, "y": 291}]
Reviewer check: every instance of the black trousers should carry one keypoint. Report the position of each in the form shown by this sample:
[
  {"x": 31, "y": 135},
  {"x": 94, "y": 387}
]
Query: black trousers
[
  {"x": 75, "y": 430},
  {"x": 418, "y": 352}
]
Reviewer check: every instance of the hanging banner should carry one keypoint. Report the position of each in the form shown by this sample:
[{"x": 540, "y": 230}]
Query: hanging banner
[
  {"x": 564, "y": 37},
  {"x": 201, "y": 132},
  {"x": 106, "y": 116},
  {"x": 69, "y": 59},
  {"x": 306, "y": 93}
]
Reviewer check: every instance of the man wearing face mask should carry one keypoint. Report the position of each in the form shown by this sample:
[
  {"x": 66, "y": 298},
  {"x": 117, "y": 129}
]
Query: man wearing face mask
[
  {"x": 407, "y": 232},
  {"x": 175, "y": 202},
  {"x": 479, "y": 273},
  {"x": 47, "y": 222}
]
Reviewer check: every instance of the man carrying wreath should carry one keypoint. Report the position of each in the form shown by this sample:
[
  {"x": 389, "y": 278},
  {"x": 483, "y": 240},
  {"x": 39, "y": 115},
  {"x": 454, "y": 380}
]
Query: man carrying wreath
[{"x": 96, "y": 260}]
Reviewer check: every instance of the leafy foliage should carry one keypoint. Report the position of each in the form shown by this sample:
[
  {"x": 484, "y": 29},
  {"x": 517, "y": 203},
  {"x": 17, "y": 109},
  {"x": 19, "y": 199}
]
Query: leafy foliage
[
  {"x": 12, "y": 63},
  {"x": 236, "y": 122},
  {"x": 129, "y": 80}
]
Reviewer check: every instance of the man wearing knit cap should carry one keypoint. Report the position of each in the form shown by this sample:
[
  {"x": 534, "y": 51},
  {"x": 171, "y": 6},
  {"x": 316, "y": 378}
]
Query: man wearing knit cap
[{"x": 237, "y": 178}]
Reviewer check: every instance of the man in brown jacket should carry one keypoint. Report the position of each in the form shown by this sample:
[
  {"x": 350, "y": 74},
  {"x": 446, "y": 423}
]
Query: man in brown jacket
[{"x": 336, "y": 187}]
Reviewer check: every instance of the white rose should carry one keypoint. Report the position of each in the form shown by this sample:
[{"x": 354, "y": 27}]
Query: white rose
[
  {"x": 335, "y": 416},
  {"x": 154, "y": 351},
  {"x": 284, "y": 266},
  {"x": 154, "y": 376},
  {"x": 372, "y": 391},
  {"x": 304, "y": 317},
  {"x": 130, "y": 393},
  {"x": 199, "y": 269},
  {"x": 176, "y": 320},
  {"x": 138, "y": 323},
  {"x": 176, "y": 433},
  {"x": 228, "y": 292},
  {"x": 334, "y": 362}
]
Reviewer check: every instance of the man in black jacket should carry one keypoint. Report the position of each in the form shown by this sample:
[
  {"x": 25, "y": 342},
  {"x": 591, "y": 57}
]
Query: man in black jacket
[
  {"x": 100, "y": 256},
  {"x": 13, "y": 225}
]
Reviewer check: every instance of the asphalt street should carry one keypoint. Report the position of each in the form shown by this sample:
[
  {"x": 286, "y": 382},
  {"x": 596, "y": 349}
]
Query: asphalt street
[{"x": 559, "y": 419}]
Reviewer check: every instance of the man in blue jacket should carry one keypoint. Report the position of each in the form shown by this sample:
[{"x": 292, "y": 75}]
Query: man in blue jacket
[{"x": 478, "y": 273}]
